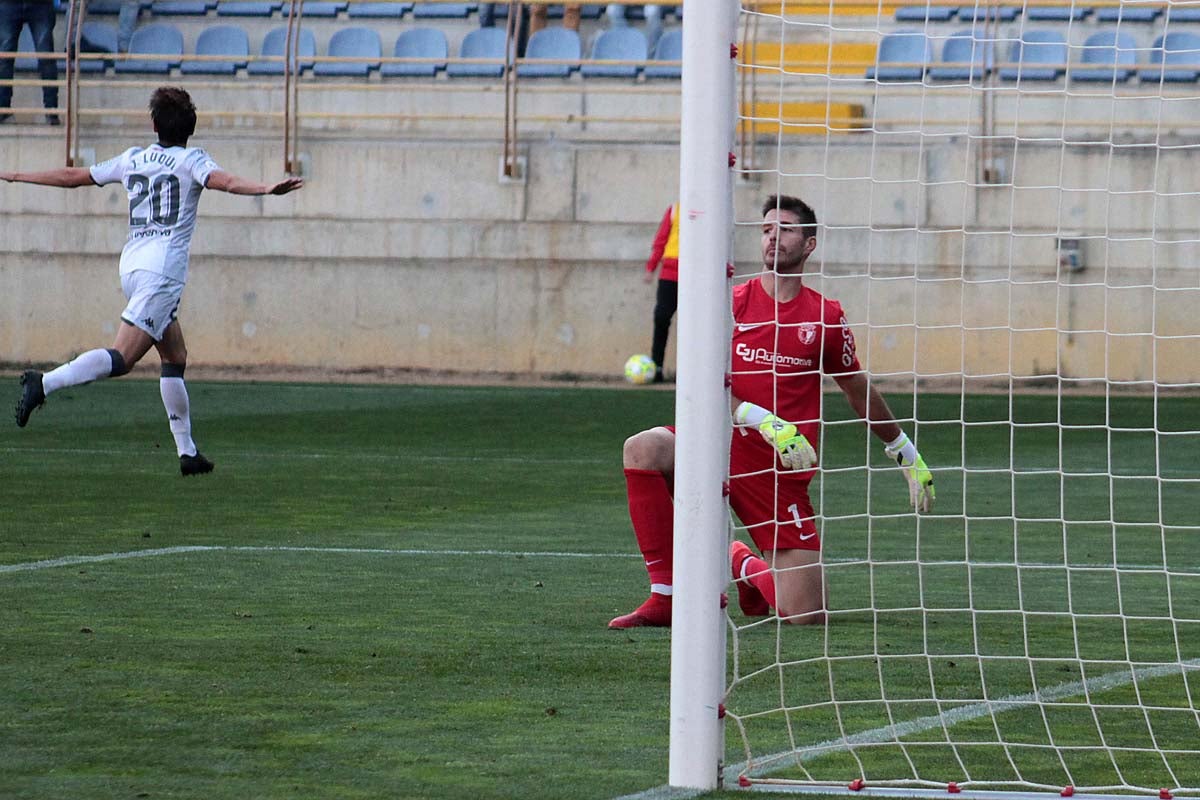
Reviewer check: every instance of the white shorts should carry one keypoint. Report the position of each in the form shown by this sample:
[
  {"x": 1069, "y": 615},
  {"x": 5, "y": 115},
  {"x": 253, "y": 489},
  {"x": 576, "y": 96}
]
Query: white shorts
[{"x": 153, "y": 301}]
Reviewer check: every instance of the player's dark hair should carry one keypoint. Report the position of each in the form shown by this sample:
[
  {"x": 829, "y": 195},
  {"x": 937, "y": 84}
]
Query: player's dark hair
[
  {"x": 784, "y": 202},
  {"x": 173, "y": 115}
]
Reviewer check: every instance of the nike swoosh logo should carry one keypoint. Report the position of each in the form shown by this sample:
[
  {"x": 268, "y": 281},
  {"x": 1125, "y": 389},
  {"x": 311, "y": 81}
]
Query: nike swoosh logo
[
  {"x": 742, "y": 328},
  {"x": 806, "y": 537}
]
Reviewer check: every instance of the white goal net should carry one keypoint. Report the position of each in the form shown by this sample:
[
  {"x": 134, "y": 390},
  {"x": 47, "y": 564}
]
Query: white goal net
[{"x": 1008, "y": 200}]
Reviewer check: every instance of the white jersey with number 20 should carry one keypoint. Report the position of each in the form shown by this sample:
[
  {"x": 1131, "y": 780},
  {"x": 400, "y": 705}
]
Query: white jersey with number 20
[{"x": 164, "y": 186}]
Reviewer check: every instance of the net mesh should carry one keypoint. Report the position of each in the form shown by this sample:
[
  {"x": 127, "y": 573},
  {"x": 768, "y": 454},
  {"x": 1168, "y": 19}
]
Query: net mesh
[{"x": 1008, "y": 205}]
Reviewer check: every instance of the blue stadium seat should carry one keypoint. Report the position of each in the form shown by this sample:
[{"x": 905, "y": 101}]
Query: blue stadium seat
[
  {"x": 617, "y": 44},
  {"x": 273, "y": 45},
  {"x": 182, "y": 8},
  {"x": 966, "y": 56},
  {"x": 96, "y": 37},
  {"x": 1057, "y": 13},
  {"x": 379, "y": 10},
  {"x": 352, "y": 43},
  {"x": 925, "y": 13},
  {"x": 25, "y": 45},
  {"x": 160, "y": 47},
  {"x": 481, "y": 43},
  {"x": 419, "y": 43},
  {"x": 1174, "y": 59},
  {"x": 109, "y": 7},
  {"x": 1039, "y": 56},
  {"x": 319, "y": 8},
  {"x": 1113, "y": 54},
  {"x": 248, "y": 8},
  {"x": 443, "y": 10},
  {"x": 1128, "y": 12},
  {"x": 987, "y": 12},
  {"x": 551, "y": 44},
  {"x": 220, "y": 40},
  {"x": 669, "y": 48},
  {"x": 1182, "y": 14},
  {"x": 902, "y": 56}
]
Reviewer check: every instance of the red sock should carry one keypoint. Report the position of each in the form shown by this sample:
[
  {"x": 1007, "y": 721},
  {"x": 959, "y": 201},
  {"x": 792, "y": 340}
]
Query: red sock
[
  {"x": 759, "y": 575},
  {"x": 652, "y": 512}
]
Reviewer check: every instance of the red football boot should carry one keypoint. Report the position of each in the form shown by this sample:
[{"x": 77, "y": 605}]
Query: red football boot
[
  {"x": 750, "y": 600},
  {"x": 654, "y": 613}
]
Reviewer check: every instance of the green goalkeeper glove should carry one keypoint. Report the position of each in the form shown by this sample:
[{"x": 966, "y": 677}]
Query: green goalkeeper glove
[
  {"x": 912, "y": 466},
  {"x": 794, "y": 450}
]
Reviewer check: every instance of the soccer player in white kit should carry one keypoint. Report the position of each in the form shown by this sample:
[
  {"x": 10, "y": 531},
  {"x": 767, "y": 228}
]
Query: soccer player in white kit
[{"x": 164, "y": 182}]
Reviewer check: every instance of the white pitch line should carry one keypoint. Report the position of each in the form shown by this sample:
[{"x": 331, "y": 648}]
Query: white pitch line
[
  {"x": 68, "y": 561},
  {"x": 258, "y": 454},
  {"x": 890, "y": 733}
]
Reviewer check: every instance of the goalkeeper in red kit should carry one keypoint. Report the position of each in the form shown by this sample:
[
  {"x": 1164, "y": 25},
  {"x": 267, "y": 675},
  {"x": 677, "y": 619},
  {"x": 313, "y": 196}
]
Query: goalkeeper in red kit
[{"x": 785, "y": 337}]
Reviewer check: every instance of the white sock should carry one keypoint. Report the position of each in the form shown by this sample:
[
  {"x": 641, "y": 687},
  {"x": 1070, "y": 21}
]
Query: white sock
[
  {"x": 84, "y": 368},
  {"x": 179, "y": 416}
]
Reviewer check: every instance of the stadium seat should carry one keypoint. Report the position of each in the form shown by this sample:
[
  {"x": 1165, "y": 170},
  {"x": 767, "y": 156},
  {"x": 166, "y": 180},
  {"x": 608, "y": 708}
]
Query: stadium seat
[
  {"x": 1039, "y": 56},
  {"x": 220, "y": 40},
  {"x": 927, "y": 13},
  {"x": 273, "y": 45},
  {"x": 182, "y": 8},
  {"x": 1113, "y": 54},
  {"x": 321, "y": 8},
  {"x": 1057, "y": 13},
  {"x": 96, "y": 37},
  {"x": 481, "y": 43},
  {"x": 987, "y": 12},
  {"x": 419, "y": 43},
  {"x": 966, "y": 56},
  {"x": 352, "y": 43},
  {"x": 109, "y": 7},
  {"x": 551, "y": 44},
  {"x": 669, "y": 48},
  {"x": 1182, "y": 14},
  {"x": 443, "y": 10},
  {"x": 617, "y": 44},
  {"x": 160, "y": 47},
  {"x": 902, "y": 56},
  {"x": 379, "y": 10},
  {"x": 1174, "y": 59},
  {"x": 25, "y": 45},
  {"x": 1128, "y": 12},
  {"x": 248, "y": 8}
]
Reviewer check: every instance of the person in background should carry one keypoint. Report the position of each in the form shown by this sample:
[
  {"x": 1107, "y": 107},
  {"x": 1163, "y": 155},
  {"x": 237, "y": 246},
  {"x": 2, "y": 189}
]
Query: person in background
[
  {"x": 664, "y": 252},
  {"x": 40, "y": 16}
]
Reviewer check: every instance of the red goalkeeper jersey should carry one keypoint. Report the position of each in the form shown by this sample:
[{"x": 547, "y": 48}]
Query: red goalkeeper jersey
[{"x": 780, "y": 351}]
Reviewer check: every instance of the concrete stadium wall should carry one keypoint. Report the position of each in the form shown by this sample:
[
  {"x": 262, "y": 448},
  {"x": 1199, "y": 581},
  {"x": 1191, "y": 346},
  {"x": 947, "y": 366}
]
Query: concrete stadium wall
[{"x": 415, "y": 254}]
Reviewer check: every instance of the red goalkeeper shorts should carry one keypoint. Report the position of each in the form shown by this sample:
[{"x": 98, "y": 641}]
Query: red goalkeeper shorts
[{"x": 772, "y": 503}]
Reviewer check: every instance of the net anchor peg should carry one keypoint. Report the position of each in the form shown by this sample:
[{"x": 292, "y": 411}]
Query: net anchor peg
[
  {"x": 1067, "y": 791},
  {"x": 857, "y": 785},
  {"x": 1164, "y": 794},
  {"x": 952, "y": 788},
  {"x": 733, "y": 50}
]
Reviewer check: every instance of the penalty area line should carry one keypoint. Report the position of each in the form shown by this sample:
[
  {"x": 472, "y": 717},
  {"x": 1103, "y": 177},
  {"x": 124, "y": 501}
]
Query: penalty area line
[{"x": 70, "y": 561}]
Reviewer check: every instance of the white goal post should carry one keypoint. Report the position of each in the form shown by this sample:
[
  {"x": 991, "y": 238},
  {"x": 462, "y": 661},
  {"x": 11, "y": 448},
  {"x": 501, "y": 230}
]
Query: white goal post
[{"x": 1008, "y": 199}]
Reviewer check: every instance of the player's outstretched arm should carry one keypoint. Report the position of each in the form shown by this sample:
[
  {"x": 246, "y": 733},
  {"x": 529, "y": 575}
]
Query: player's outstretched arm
[
  {"x": 870, "y": 406},
  {"x": 64, "y": 177},
  {"x": 224, "y": 181}
]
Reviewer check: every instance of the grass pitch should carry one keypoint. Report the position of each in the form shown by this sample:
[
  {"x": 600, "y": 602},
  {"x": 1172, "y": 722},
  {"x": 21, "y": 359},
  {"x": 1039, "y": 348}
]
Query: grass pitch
[{"x": 389, "y": 591}]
